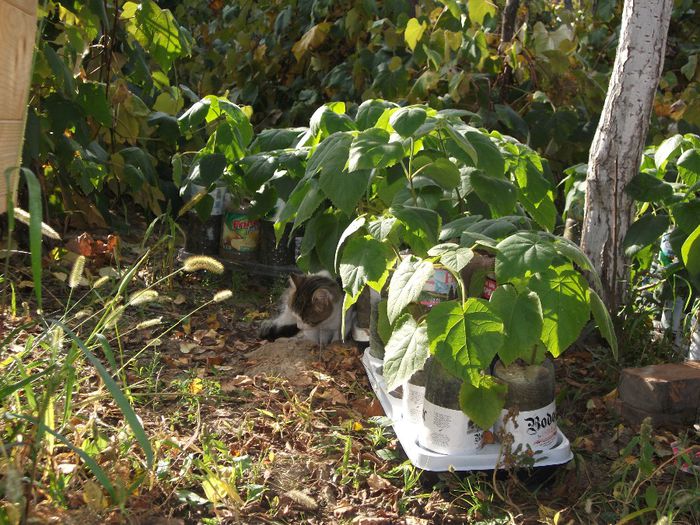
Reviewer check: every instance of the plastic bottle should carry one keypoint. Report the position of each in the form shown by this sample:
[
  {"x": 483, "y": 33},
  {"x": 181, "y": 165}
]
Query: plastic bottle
[{"x": 446, "y": 429}]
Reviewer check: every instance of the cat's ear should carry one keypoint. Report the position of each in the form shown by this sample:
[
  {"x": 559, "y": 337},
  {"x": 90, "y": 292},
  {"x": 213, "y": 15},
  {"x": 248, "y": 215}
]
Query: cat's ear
[
  {"x": 322, "y": 299},
  {"x": 295, "y": 280}
]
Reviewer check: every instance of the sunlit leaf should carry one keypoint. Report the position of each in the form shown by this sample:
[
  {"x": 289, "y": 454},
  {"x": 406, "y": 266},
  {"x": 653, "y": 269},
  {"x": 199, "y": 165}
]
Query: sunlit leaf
[{"x": 406, "y": 352}]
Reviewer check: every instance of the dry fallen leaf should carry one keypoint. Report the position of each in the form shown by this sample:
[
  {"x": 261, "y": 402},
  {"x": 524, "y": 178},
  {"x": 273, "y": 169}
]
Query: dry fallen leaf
[
  {"x": 229, "y": 385},
  {"x": 378, "y": 483},
  {"x": 186, "y": 347}
]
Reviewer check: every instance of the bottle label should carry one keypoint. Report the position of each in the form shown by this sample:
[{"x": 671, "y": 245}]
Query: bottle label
[
  {"x": 412, "y": 401},
  {"x": 490, "y": 285},
  {"x": 534, "y": 428},
  {"x": 448, "y": 431},
  {"x": 240, "y": 234}
]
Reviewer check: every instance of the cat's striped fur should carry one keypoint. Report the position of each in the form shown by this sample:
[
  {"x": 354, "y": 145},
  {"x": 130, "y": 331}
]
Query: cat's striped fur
[{"x": 312, "y": 305}]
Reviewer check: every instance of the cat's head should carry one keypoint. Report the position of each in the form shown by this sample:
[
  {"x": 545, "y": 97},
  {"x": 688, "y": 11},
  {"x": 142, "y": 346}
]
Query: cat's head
[{"x": 313, "y": 298}]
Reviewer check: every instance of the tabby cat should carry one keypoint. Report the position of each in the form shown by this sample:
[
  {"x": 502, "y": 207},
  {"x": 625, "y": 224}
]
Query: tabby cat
[{"x": 313, "y": 304}]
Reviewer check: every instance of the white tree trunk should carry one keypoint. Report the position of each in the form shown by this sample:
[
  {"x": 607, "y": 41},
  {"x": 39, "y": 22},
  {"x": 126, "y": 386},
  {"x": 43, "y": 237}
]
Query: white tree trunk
[{"x": 619, "y": 140}]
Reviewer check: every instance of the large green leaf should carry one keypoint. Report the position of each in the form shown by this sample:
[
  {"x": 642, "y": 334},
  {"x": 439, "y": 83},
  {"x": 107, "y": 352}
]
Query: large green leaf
[
  {"x": 500, "y": 194},
  {"x": 406, "y": 284},
  {"x": 407, "y": 120},
  {"x": 422, "y": 227},
  {"x": 441, "y": 170},
  {"x": 563, "y": 294},
  {"x": 274, "y": 139},
  {"x": 369, "y": 112},
  {"x": 666, "y": 149},
  {"x": 195, "y": 115},
  {"x": 455, "y": 228},
  {"x": 406, "y": 352},
  {"x": 603, "y": 320},
  {"x": 690, "y": 252},
  {"x": 365, "y": 260},
  {"x": 480, "y": 9},
  {"x": 689, "y": 167},
  {"x": 535, "y": 193},
  {"x": 413, "y": 32},
  {"x": 573, "y": 252},
  {"x": 463, "y": 143},
  {"x": 644, "y": 231},
  {"x": 155, "y": 29},
  {"x": 464, "y": 339},
  {"x": 483, "y": 403},
  {"x": 92, "y": 97},
  {"x": 687, "y": 215},
  {"x": 452, "y": 256},
  {"x": 330, "y": 118},
  {"x": 523, "y": 253},
  {"x": 648, "y": 188},
  {"x": 382, "y": 227},
  {"x": 208, "y": 170},
  {"x": 345, "y": 189},
  {"x": 309, "y": 204},
  {"x": 351, "y": 228},
  {"x": 521, "y": 314},
  {"x": 490, "y": 159},
  {"x": 331, "y": 155},
  {"x": 371, "y": 149}
]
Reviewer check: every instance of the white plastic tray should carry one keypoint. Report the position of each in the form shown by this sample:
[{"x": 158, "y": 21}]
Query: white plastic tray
[{"x": 486, "y": 459}]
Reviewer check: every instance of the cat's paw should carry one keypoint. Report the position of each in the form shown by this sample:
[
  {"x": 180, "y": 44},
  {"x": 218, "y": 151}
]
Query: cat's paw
[
  {"x": 266, "y": 330},
  {"x": 270, "y": 330}
]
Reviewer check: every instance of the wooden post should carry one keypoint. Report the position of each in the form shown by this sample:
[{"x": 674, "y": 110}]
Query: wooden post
[{"x": 17, "y": 34}]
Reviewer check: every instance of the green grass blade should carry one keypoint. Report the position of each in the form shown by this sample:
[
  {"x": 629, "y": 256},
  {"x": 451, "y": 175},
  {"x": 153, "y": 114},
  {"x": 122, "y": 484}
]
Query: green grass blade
[
  {"x": 70, "y": 380},
  {"x": 11, "y": 389},
  {"x": 107, "y": 350},
  {"x": 89, "y": 461},
  {"x": 131, "y": 273},
  {"x": 117, "y": 395},
  {"x": 34, "y": 229}
]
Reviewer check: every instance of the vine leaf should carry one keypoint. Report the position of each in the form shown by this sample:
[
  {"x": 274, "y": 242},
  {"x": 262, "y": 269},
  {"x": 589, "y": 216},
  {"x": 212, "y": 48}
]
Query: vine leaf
[
  {"x": 406, "y": 352},
  {"x": 406, "y": 284},
  {"x": 563, "y": 294},
  {"x": 523, "y": 253},
  {"x": 483, "y": 402},
  {"x": 464, "y": 338},
  {"x": 371, "y": 149},
  {"x": 521, "y": 314},
  {"x": 452, "y": 256},
  {"x": 365, "y": 260},
  {"x": 407, "y": 120}
]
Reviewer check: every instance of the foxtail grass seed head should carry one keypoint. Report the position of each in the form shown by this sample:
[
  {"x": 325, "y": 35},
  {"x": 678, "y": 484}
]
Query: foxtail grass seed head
[
  {"x": 57, "y": 337},
  {"x": 222, "y": 295},
  {"x": 202, "y": 262},
  {"x": 76, "y": 273},
  {"x": 143, "y": 297},
  {"x": 101, "y": 281},
  {"x": 114, "y": 317},
  {"x": 46, "y": 230},
  {"x": 149, "y": 323},
  {"x": 81, "y": 314}
]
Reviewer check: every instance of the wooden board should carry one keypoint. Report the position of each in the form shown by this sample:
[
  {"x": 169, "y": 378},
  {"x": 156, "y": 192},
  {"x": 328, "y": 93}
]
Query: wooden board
[{"x": 17, "y": 33}]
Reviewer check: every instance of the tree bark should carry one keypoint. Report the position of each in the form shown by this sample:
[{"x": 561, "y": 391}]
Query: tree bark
[{"x": 619, "y": 141}]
